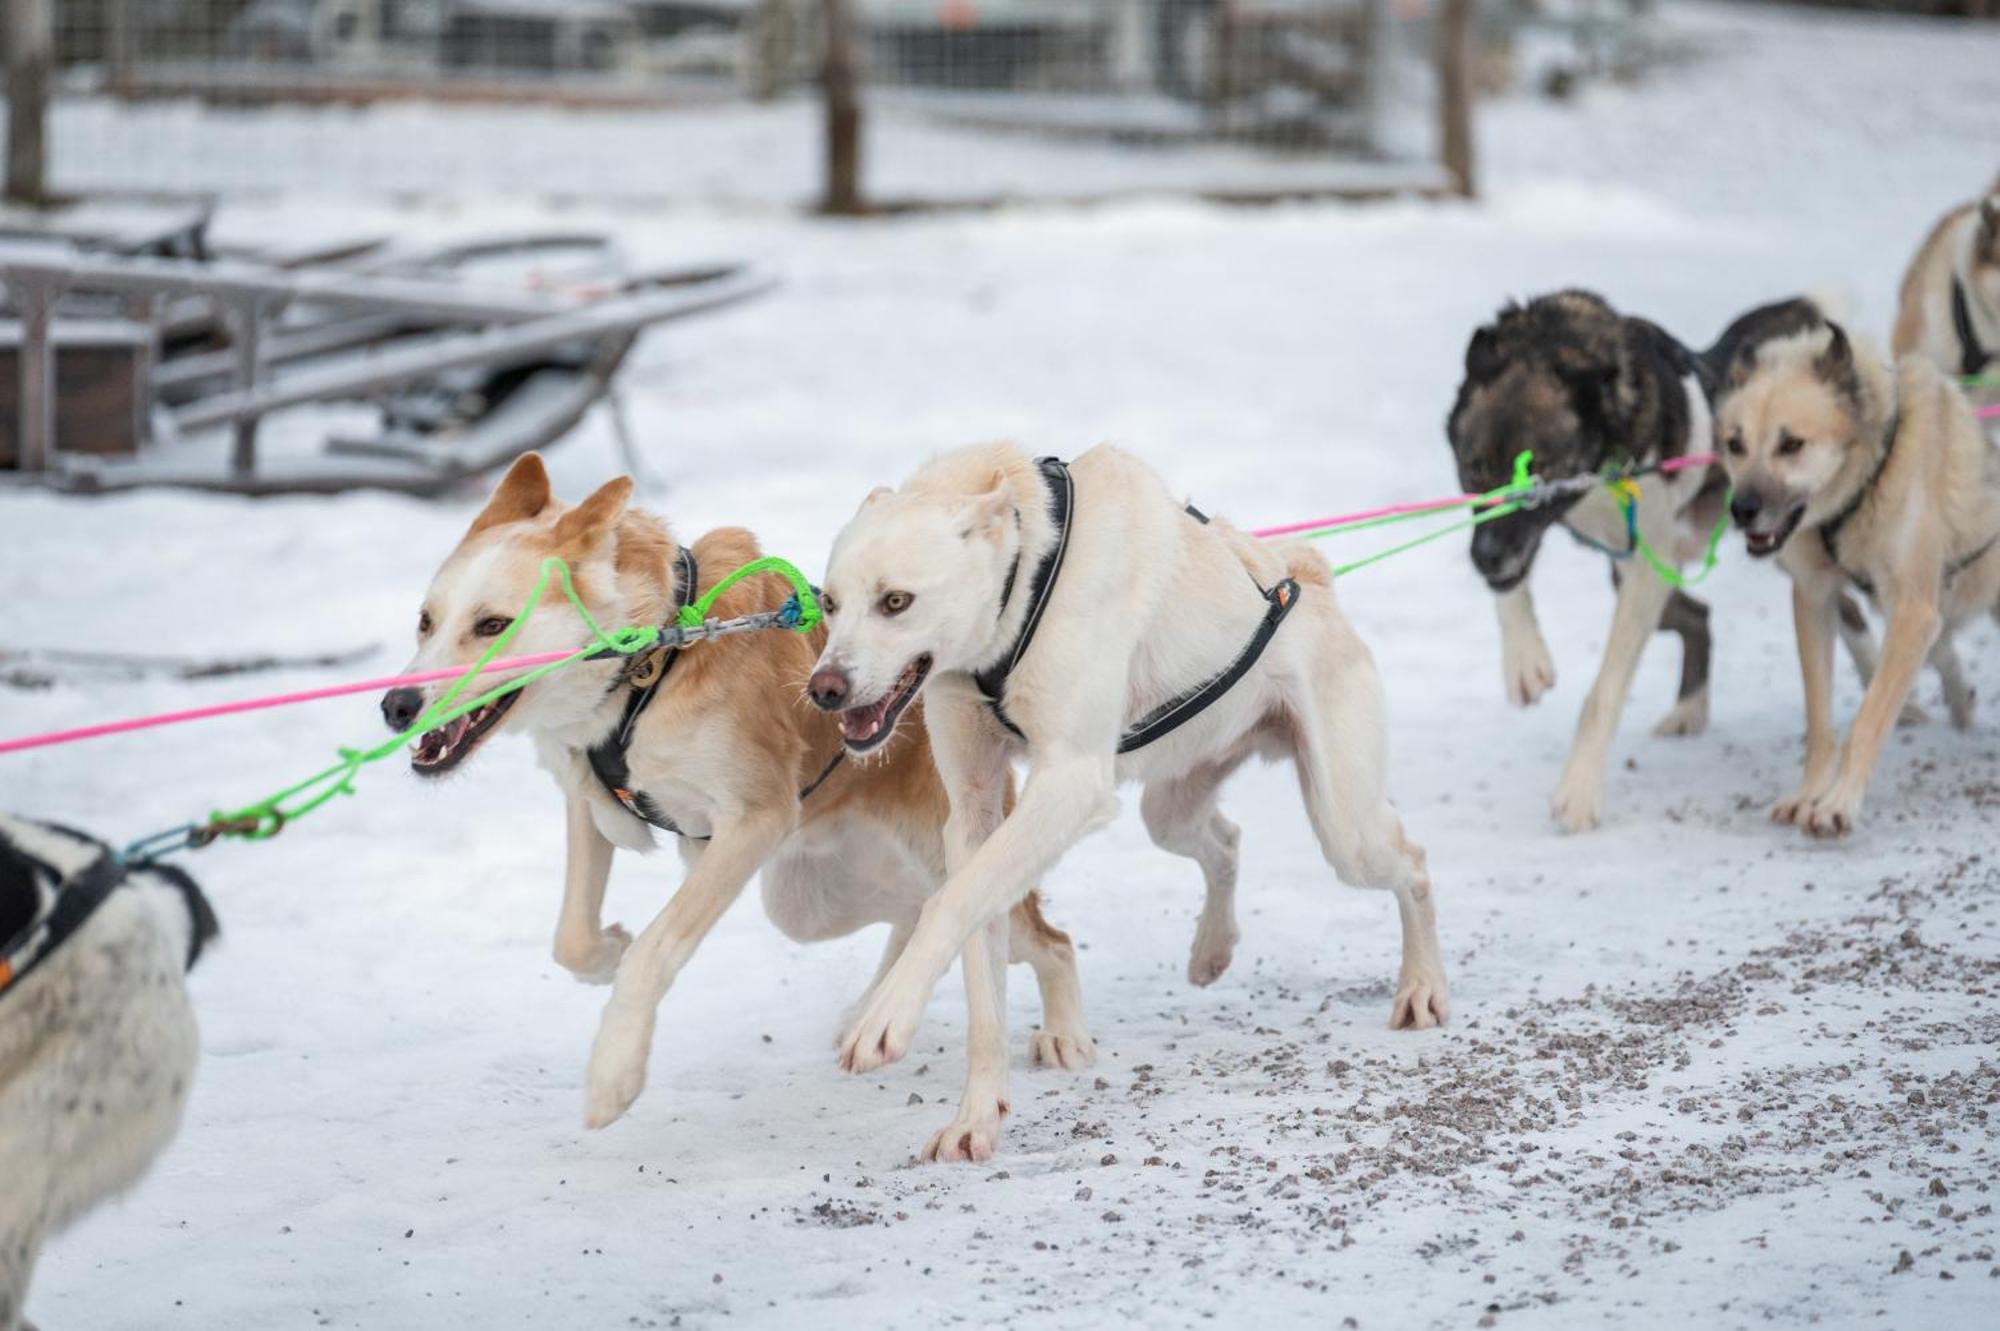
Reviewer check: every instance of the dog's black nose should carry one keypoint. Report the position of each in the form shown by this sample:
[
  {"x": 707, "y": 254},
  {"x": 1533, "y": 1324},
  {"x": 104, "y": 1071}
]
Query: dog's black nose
[
  {"x": 401, "y": 708},
  {"x": 1745, "y": 508},
  {"x": 827, "y": 688}
]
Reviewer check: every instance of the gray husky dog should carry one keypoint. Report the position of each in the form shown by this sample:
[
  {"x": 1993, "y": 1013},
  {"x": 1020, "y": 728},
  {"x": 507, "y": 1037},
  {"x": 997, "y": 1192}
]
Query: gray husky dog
[{"x": 97, "y": 1038}]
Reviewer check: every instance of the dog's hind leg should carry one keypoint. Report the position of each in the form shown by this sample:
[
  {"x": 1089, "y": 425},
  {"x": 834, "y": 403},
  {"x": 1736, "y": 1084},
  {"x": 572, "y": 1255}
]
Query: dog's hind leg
[
  {"x": 1688, "y": 616},
  {"x": 1064, "y": 1040},
  {"x": 1959, "y": 695},
  {"x": 1182, "y": 819},
  {"x": 1341, "y": 751}
]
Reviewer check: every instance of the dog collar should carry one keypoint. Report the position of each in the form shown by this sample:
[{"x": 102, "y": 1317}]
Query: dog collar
[
  {"x": 1973, "y": 356},
  {"x": 992, "y": 681},
  {"x": 1829, "y": 531}
]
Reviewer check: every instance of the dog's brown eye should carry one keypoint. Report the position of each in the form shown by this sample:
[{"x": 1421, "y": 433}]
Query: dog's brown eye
[
  {"x": 827, "y": 605},
  {"x": 491, "y": 627},
  {"x": 1735, "y": 445},
  {"x": 895, "y": 603},
  {"x": 423, "y": 622},
  {"x": 1788, "y": 444}
]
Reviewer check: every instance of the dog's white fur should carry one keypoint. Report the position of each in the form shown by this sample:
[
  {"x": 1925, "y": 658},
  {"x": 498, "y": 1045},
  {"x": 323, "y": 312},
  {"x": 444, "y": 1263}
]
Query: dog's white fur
[
  {"x": 97, "y": 1051},
  {"x": 1149, "y": 603}
]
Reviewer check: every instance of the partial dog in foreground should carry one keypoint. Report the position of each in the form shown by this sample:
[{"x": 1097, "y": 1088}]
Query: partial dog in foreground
[
  {"x": 1589, "y": 390},
  {"x": 97, "y": 1038},
  {"x": 716, "y": 747},
  {"x": 1079, "y": 617},
  {"x": 1855, "y": 472},
  {"x": 1949, "y": 308}
]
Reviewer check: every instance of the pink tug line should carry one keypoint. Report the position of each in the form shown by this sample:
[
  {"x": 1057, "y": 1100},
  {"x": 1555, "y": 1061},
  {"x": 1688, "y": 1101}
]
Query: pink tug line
[{"x": 516, "y": 664}]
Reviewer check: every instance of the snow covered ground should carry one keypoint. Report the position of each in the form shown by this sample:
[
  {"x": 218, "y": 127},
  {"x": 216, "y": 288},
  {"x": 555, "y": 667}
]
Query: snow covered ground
[{"x": 1701, "y": 1071}]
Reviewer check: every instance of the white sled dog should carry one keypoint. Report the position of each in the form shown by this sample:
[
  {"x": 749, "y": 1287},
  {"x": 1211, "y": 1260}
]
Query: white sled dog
[
  {"x": 712, "y": 746},
  {"x": 1855, "y": 472},
  {"x": 97, "y": 1038},
  {"x": 1079, "y": 616}
]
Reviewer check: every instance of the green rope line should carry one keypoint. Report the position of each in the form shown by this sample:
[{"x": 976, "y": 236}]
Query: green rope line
[
  {"x": 1668, "y": 574},
  {"x": 1501, "y": 511},
  {"x": 263, "y": 819},
  {"x": 1979, "y": 380}
]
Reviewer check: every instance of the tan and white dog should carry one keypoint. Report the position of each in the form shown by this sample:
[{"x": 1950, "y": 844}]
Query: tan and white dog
[
  {"x": 728, "y": 752},
  {"x": 1092, "y": 610},
  {"x": 1854, "y": 471},
  {"x": 1949, "y": 307}
]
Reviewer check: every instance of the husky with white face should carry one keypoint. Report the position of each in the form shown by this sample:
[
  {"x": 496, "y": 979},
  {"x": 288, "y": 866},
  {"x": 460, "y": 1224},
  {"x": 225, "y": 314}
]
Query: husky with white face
[{"x": 1083, "y": 619}]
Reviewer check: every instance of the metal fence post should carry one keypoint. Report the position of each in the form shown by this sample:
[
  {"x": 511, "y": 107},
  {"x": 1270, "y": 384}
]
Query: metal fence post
[{"x": 35, "y": 296}]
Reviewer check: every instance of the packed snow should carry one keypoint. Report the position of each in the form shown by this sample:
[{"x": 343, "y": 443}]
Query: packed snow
[{"x": 1701, "y": 1070}]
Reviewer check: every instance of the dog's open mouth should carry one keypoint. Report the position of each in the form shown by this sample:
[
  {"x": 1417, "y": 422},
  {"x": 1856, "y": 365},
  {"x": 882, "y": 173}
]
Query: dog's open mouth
[
  {"x": 1762, "y": 543},
  {"x": 440, "y": 750},
  {"x": 865, "y": 727}
]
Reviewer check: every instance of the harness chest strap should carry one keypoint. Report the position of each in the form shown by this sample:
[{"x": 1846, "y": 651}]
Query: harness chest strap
[
  {"x": 643, "y": 681},
  {"x": 1168, "y": 716}
]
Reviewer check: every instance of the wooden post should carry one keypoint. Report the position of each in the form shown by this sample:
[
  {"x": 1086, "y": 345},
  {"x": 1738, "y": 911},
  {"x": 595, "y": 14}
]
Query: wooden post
[
  {"x": 1454, "y": 68},
  {"x": 122, "y": 47},
  {"x": 772, "y": 48},
  {"x": 30, "y": 53},
  {"x": 843, "y": 113}
]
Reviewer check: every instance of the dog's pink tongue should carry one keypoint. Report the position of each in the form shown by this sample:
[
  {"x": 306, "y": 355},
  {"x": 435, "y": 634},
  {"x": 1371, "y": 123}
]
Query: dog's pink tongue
[{"x": 861, "y": 722}]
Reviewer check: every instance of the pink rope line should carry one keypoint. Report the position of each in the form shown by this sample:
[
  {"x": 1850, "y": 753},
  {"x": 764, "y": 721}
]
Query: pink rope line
[
  {"x": 1670, "y": 466},
  {"x": 1988, "y": 413},
  {"x": 509, "y": 665},
  {"x": 514, "y": 664}
]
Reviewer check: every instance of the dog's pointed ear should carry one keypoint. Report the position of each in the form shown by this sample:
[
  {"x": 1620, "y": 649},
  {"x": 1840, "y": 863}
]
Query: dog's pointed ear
[
  {"x": 583, "y": 525},
  {"x": 1835, "y": 364},
  {"x": 879, "y": 492},
  {"x": 522, "y": 494},
  {"x": 988, "y": 512},
  {"x": 1482, "y": 354},
  {"x": 1988, "y": 240}
]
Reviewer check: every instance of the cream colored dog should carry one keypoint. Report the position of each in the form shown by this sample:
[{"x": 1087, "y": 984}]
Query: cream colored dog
[
  {"x": 1091, "y": 609},
  {"x": 1852, "y": 471},
  {"x": 1949, "y": 310},
  {"x": 724, "y": 755}
]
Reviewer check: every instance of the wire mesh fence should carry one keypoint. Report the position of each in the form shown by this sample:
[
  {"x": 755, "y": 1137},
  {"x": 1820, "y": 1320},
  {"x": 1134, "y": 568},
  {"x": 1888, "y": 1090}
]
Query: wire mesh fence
[{"x": 721, "y": 98}]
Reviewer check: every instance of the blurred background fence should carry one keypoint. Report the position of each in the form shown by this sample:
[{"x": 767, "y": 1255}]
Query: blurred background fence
[{"x": 1246, "y": 97}]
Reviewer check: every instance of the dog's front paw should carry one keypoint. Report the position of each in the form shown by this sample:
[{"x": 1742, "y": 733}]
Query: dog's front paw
[
  {"x": 1071, "y": 1051},
  {"x": 1689, "y": 717},
  {"x": 1529, "y": 670},
  {"x": 1832, "y": 814},
  {"x": 971, "y": 1137},
  {"x": 1962, "y": 700},
  {"x": 1214, "y": 947},
  {"x": 617, "y": 1071},
  {"x": 1576, "y": 805},
  {"x": 595, "y": 961},
  {"x": 1422, "y": 1000},
  {"x": 1913, "y": 714},
  {"x": 882, "y": 1033},
  {"x": 1793, "y": 809}
]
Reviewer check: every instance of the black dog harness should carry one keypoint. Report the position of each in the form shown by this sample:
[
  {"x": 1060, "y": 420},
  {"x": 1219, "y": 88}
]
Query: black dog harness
[
  {"x": 1829, "y": 531},
  {"x": 1973, "y": 357},
  {"x": 643, "y": 678},
  {"x": 1170, "y": 715},
  {"x": 42, "y": 910}
]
